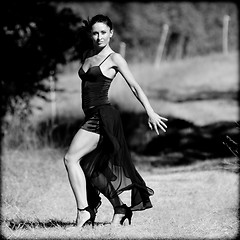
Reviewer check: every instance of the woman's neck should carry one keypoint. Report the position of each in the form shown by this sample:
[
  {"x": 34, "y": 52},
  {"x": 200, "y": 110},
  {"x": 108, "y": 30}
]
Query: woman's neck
[{"x": 102, "y": 51}]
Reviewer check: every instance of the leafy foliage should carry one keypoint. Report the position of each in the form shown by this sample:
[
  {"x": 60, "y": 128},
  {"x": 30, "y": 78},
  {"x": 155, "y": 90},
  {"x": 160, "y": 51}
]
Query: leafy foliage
[{"x": 36, "y": 38}]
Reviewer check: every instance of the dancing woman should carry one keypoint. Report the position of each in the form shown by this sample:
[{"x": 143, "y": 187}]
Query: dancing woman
[{"x": 98, "y": 160}]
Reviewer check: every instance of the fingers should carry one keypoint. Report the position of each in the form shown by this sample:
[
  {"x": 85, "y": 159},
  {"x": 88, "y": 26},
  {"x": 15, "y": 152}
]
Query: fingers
[
  {"x": 165, "y": 119},
  {"x": 155, "y": 127},
  {"x": 158, "y": 124},
  {"x": 155, "y": 121},
  {"x": 149, "y": 124},
  {"x": 162, "y": 123}
]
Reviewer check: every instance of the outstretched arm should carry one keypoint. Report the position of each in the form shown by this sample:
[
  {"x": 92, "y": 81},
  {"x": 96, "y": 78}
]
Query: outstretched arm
[{"x": 155, "y": 121}]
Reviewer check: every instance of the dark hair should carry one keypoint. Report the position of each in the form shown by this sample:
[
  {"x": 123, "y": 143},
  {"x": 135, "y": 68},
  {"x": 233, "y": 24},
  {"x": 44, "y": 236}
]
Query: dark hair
[{"x": 101, "y": 18}]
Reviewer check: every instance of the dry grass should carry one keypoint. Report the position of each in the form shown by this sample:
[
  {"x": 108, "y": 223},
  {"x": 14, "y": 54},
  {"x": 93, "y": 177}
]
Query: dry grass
[{"x": 37, "y": 202}]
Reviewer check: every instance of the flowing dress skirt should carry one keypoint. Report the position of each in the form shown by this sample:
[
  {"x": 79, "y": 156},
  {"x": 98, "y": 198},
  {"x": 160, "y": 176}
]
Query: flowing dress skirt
[{"x": 109, "y": 168}]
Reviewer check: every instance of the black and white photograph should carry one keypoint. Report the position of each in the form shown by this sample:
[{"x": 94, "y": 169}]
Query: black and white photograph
[{"x": 119, "y": 119}]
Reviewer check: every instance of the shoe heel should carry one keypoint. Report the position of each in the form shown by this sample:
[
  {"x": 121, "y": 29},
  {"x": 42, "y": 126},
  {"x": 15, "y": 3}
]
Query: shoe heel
[
  {"x": 93, "y": 221},
  {"x": 129, "y": 220},
  {"x": 92, "y": 215},
  {"x": 124, "y": 209}
]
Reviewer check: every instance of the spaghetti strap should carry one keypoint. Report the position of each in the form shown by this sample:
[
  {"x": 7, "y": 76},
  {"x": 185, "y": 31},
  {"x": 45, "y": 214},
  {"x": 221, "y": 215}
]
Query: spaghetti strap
[{"x": 104, "y": 59}]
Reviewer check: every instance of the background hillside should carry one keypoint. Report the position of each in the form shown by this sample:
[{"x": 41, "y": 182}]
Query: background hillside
[
  {"x": 41, "y": 37},
  {"x": 195, "y": 28}
]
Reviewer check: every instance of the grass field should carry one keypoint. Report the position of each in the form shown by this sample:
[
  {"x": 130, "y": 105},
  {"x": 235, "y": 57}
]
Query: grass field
[
  {"x": 189, "y": 202},
  {"x": 196, "y": 201}
]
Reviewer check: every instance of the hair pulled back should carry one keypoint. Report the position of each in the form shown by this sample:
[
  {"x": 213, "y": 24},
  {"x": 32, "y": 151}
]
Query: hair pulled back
[{"x": 101, "y": 19}]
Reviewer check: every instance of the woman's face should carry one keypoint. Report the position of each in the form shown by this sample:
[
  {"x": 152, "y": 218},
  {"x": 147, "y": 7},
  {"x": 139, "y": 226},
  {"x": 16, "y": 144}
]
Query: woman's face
[{"x": 101, "y": 34}]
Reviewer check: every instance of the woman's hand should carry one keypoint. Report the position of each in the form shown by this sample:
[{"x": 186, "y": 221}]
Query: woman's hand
[{"x": 155, "y": 121}]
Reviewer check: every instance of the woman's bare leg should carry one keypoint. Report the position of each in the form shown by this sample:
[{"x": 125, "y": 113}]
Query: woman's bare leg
[{"x": 82, "y": 143}]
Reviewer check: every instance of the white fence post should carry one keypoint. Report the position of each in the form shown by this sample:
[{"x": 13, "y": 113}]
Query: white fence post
[
  {"x": 161, "y": 45},
  {"x": 122, "y": 49},
  {"x": 226, "y": 20}
]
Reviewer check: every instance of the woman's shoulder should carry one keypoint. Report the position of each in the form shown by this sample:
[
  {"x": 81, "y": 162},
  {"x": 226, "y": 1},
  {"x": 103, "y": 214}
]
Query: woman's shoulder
[
  {"x": 116, "y": 55},
  {"x": 117, "y": 58}
]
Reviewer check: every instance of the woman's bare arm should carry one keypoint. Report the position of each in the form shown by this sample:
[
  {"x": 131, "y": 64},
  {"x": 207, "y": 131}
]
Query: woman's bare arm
[{"x": 155, "y": 120}]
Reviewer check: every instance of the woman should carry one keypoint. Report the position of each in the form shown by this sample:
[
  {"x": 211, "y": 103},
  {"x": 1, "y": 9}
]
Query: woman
[{"x": 98, "y": 160}]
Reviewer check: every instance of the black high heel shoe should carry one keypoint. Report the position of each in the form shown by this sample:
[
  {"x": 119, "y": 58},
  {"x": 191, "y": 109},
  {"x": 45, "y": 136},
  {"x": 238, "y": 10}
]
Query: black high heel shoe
[
  {"x": 92, "y": 215},
  {"x": 128, "y": 215},
  {"x": 125, "y": 211}
]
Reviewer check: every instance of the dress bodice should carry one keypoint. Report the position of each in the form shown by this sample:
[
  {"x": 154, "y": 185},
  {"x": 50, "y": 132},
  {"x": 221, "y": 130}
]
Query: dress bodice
[{"x": 95, "y": 87}]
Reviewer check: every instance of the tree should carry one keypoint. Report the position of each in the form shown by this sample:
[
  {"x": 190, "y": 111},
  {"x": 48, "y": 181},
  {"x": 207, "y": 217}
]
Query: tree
[{"x": 36, "y": 38}]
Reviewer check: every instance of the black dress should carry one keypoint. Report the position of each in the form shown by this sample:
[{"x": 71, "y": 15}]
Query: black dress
[{"x": 108, "y": 168}]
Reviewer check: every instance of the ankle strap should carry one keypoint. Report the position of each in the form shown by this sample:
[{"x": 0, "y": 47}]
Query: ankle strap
[
  {"x": 120, "y": 209},
  {"x": 84, "y": 209}
]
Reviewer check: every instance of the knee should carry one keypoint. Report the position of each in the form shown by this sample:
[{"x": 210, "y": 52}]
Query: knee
[{"x": 70, "y": 159}]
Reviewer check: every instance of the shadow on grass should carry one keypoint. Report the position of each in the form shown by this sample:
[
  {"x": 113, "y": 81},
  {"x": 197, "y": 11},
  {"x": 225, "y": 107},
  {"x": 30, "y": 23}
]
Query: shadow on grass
[
  {"x": 52, "y": 223},
  {"x": 167, "y": 95},
  {"x": 182, "y": 144}
]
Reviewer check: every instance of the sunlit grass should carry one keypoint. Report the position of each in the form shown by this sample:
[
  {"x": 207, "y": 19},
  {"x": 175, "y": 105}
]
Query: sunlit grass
[{"x": 189, "y": 202}]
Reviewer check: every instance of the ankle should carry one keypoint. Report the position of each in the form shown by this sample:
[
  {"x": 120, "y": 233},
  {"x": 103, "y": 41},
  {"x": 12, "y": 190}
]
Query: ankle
[
  {"x": 82, "y": 208},
  {"x": 120, "y": 209}
]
